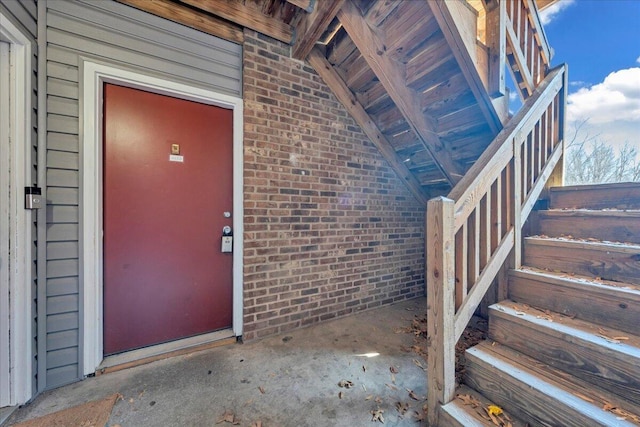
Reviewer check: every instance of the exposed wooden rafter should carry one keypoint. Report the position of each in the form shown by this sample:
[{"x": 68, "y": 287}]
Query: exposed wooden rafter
[
  {"x": 246, "y": 16},
  {"x": 311, "y": 26},
  {"x": 368, "y": 126},
  {"x": 191, "y": 18},
  {"x": 391, "y": 74},
  {"x": 306, "y": 5},
  {"x": 441, "y": 11}
]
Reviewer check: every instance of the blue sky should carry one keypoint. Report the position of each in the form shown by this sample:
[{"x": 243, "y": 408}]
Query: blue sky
[{"x": 600, "y": 40}]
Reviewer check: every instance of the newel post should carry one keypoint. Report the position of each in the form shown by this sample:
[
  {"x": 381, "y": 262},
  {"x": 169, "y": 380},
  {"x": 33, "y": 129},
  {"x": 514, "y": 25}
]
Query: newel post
[{"x": 440, "y": 281}]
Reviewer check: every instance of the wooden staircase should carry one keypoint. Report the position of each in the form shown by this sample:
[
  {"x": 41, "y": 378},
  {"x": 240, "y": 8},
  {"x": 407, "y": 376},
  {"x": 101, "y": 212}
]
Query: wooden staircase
[{"x": 564, "y": 348}]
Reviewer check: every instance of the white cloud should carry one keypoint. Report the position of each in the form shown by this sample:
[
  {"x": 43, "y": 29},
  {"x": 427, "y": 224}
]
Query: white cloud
[
  {"x": 638, "y": 60},
  {"x": 552, "y": 12},
  {"x": 611, "y": 108}
]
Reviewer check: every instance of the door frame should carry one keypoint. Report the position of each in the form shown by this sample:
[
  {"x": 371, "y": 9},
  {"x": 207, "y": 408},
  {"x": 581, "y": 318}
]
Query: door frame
[
  {"x": 16, "y": 370},
  {"x": 93, "y": 75}
]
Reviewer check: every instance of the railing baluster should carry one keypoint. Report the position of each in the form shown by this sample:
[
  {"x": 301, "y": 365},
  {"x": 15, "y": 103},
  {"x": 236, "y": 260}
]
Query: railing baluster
[
  {"x": 461, "y": 265},
  {"x": 474, "y": 247},
  {"x": 496, "y": 218}
]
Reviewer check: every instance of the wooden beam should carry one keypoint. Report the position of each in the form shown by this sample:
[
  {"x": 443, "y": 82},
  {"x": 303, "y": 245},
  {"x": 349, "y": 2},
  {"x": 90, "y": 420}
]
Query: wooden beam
[
  {"x": 441, "y": 11},
  {"x": 311, "y": 27},
  {"x": 246, "y": 16},
  {"x": 306, "y": 5},
  {"x": 391, "y": 74},
  {"x": 368, "y": 126},
  {"x": 186, "y": 16},
  {"x": 543, "y": 4}
]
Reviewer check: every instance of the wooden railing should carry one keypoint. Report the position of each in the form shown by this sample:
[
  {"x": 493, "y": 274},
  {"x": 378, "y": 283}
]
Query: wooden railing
[
  {"x": 476, "y": 231},
  {"x": 517, "y": 36}
]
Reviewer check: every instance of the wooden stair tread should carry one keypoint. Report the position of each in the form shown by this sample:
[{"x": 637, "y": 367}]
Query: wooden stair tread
[
  {"x": 606, "y": 260},
  {"x": 572, "y": 329},
  {"x": 611, "y": 304},
  {"x": 586, "y": 243},
  {"x": 547, "y": 374},
  {"x": 603, "y": 356},
  {"x": 467, "y": 409},
  {"x": 508, "y": 379},
  {"x": 607, "y": 225},
  {"x": 616, "y": 195},
  {"x": 602, "y": 285}
]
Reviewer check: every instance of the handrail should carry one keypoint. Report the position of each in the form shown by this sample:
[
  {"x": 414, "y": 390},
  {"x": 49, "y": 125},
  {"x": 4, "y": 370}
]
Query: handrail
[{"x": 476, "y": 231}]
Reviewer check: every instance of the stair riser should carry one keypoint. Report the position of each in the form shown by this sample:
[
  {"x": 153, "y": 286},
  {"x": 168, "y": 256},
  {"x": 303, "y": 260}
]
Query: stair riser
[
  {"x": 615, "y": 372},
  {"x": 610, "y": 308},
  {"x": 618, "y": 196},
  {"x": 611, "y": 228},
  {"x": 617, "y": 264},
  {"x": 529, "y": 404}
]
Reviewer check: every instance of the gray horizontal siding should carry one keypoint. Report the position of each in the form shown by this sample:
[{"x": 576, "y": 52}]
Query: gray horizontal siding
[
  {"x": 117, "y": 34},
  {"x": 24, "y": 13}
]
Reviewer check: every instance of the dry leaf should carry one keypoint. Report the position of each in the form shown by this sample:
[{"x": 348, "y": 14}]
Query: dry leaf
[
  {"x": 227, "y": 417},
  {"x": 377, "y": 415},
  {"x": 467, "y": 400},
  {"x": 392, "y": 387},
  {"x": 393, "y": 370},
  {"x": 378, "y": 400},
  {"x": 345, "y": 384},
  {"x": 256, "y": 424},
  {"x": 364, "y": 368},
  {"x": 261, "y": 390},
  {"x": 340, "y": 395},
  {"x": 369, "y": 397},
  {"x": 495, "y": 410},
  {"x": 413, "y": 395},
  {"x": 393, "y": 378},
  {"x": 402, "y": 407},
  {"x": 419, "y": 365}
]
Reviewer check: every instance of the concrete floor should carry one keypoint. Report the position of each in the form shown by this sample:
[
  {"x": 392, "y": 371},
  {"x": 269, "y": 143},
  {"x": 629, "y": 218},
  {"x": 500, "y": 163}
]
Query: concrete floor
[{"x": 299, "y": 373}]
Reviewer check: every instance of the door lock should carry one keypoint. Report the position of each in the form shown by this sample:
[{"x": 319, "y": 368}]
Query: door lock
[{"x": 227, "y": 239}]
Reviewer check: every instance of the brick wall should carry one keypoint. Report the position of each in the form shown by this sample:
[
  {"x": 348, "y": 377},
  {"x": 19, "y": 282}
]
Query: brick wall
[{"x": 329, "y": 228}]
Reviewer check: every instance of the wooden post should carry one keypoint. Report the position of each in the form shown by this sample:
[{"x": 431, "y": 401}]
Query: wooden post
[
  {"x": 440, "y": 280},
  {"x": 497, "y": 42}
]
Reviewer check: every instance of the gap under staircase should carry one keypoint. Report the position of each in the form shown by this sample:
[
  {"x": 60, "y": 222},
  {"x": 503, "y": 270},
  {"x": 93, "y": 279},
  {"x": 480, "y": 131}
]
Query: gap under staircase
[{"x": 564, "y": 348}]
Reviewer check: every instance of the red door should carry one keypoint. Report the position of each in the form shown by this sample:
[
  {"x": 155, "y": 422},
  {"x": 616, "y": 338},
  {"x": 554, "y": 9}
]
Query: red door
[{"x": 165, "y": 276}]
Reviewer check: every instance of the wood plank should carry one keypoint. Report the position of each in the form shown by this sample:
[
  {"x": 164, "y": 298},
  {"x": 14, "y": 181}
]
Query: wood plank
[
  {"x": 440, "y": 279},
  {"x": 609, "y": 303},
  {"x": 536, "y": 399},
  {"x": 246, "y": 16},
  {"x": 306, "y": 5},
  {"x": 608, "y": 261},
  {"x": 449, "y": 26},
  {"x": 609, "y": 225},
  {"x": 311, "y": 26},
  {"x": 368, "y": 126},
  {"x": 172, "y": 11},
  {"x": 390, "y": 74},
  {"x": 571, "y": 345},
  {"x": 625, "y": 195}
]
